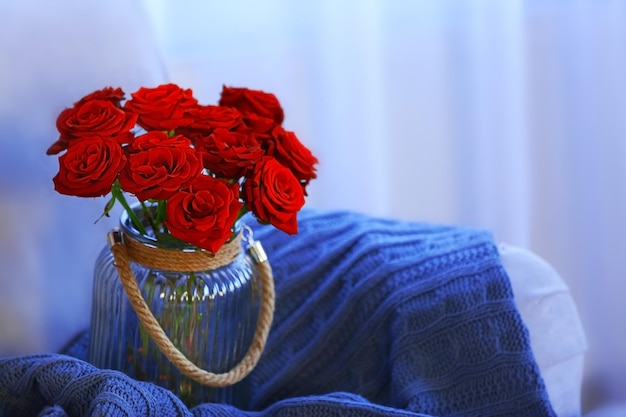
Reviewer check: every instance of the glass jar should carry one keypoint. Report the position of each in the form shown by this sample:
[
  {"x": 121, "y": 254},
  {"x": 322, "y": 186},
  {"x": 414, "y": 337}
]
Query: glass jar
[{"x": 209, "y": 315}]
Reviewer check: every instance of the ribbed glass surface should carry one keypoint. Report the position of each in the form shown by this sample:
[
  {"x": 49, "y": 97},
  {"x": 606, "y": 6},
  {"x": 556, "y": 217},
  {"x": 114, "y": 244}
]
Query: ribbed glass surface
[{"x": 210, "y": 316}]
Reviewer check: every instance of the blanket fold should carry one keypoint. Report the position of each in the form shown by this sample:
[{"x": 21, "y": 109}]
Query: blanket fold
[{"x": 374, "y": 317}]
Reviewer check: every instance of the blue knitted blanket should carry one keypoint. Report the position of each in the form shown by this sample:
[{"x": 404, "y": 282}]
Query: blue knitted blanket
[{"x": 374, "y": 318}]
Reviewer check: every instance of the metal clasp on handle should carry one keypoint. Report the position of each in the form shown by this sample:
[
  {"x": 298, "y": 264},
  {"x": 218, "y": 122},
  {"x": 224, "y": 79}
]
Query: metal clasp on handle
[
  {"x": 114, "y": 237},
  {"x": 254, "y": 247}
]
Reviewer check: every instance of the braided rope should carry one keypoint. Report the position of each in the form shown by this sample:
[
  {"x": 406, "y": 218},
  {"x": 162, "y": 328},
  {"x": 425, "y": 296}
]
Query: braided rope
[
  {"x": 181, "y": 261},
  {"x": 122, "y": 257}
]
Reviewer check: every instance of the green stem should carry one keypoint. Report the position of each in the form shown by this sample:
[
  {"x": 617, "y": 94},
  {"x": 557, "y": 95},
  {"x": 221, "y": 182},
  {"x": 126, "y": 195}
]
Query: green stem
[
  {"x": 242, "y": 212},
  {"x": 161, "y": 213},
  {"x": 116, "y": 192},
  {"x": 148, "y": 215}
]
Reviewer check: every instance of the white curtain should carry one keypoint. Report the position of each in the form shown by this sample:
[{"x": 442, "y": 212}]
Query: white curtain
[
  {"x": 52, "y": 54},
  {"x": 506, "y": 115}
]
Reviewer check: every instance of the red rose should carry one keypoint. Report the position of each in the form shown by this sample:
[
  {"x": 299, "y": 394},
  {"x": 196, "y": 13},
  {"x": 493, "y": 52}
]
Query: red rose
[
  {"x": 114, "y": 95},
  {"x": 204, "y": 213},
  {"x": 155, "y": 139},
  {"x": 92, "y": 118},
  {"x": 161, "y": 108},
  {"x": 229, "y": 154},
  {"x": 289, "y": 151},
  {"x": 206, "y": 119},
  {"x": 89, "y": 167},
  {"x": 259, "y": 125},
  {"x": 252, "y": 101},
  {"x": 158, "y": 166},
  {"x": 274, "y": 195}
]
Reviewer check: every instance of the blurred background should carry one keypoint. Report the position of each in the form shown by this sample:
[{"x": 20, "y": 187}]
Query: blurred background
[{"x": 505, "y": 115}]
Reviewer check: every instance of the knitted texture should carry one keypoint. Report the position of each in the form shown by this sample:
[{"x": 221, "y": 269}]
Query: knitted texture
[{"x": 373, "y": 317}]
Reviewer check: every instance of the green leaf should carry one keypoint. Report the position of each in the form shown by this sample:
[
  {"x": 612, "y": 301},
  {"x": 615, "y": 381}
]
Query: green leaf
[
  {"x": 116, "y": 191},
  {"x": 107, "y": 209}
]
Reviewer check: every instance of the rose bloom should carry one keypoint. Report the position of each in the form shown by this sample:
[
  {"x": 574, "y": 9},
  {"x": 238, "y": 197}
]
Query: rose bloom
[
  {"x": 252, "y": 101},
  {"x": 114, "y": 95},
  {"x": 204, "y": 213},
  {"x": 274, "y": 195},
  {"x": 229, "y": 154},
  {"x": 89, "y": 167},
  {"x": 92, "y": 118},
  {"x": 205, "y": 119},
  {"x": 161, "y": 108},
  {"x": 158, "y": 170},
  {"x": 154, "y": 139},
  {"x": 289, "y": 151},
  {"x": 259, "y": 125}
]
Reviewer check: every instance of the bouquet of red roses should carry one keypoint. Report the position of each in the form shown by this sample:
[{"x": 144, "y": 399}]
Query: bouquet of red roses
[{"x": 202, "y": 166}]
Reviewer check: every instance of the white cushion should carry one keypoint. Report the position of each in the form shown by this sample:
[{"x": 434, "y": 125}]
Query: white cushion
[
  {"x": 556, "y": 333},
  {"x": 613, "y": 410}
]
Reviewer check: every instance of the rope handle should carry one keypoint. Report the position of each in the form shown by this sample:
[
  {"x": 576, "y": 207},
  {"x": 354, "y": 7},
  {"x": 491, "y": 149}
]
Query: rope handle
[{"x": 165, "y": 345}]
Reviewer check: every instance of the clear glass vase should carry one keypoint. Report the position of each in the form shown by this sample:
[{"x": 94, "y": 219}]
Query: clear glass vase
[{"x": 209, "y": 315}]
